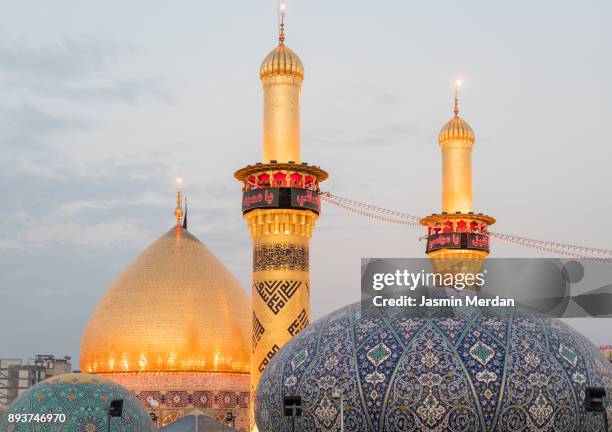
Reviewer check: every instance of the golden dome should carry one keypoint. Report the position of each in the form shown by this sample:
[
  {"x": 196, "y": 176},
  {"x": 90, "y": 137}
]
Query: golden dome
[
  {"x": 456, "y": 130},
  {"x": 282, "y": 61},
  {"x": 176, "y": 307}
]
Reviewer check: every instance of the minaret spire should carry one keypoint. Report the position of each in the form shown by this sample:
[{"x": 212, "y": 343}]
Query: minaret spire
[
  {"x": 457, "y": 85},
  {"x": 282, "y": 8},
  {"x": 178, "y": 211}
]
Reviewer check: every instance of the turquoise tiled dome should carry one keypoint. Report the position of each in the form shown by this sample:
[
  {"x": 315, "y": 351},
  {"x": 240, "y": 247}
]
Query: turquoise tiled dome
[
  {"x": 84, "y": 400},
  {"x": 479, "y": 370}
]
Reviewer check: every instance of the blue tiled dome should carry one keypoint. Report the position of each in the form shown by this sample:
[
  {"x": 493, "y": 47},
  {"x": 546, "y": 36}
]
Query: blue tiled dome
[
  {"x": 481, "y": 370},
  {"x": 84, "y": 400}
]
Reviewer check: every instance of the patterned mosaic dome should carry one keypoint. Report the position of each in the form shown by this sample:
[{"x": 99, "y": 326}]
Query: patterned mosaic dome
[
  {"x": 175, "y": 308},
  {"x": 84, "y": 400},
  {"x": 481, "y": 370}
]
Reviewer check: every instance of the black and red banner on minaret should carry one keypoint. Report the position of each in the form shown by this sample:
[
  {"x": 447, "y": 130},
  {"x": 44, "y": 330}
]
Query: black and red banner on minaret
[
  {"x": 457, "y": 241},
  {"x": 260, "y": 198},
  {"x": 282, "y": 198}
]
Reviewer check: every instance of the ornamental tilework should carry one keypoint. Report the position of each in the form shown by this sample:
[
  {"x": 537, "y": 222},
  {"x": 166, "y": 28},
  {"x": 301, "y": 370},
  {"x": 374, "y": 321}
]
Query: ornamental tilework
[
  {"x": 176, "y": 394},
  {"x": 84, "y": 400},
  {"x": 197, "y": 399},
  {"x": 258, "y": 331},
  {"x": 268, "y": 357},
  {"x": 280, "y": 256},
  {"x": 299, "y": 323},
  {"x": 175, "y": 403},
  {"x": 485, "y": 369},
  {"x": 276, "y": 293}
]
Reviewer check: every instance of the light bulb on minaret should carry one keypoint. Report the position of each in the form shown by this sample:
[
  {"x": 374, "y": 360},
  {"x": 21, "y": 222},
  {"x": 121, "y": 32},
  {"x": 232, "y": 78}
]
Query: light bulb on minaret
[
  {"x": 457, "y": 238},
  {"x": 281, "y": 205},
  {"x": 282, "y": 10}
]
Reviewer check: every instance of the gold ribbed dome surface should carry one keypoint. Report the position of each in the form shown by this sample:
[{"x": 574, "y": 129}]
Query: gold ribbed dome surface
[
  {"x": 282, "y": 61},
  {"x": 176, "y": 307},
  {"x": 457, "y": 130}
]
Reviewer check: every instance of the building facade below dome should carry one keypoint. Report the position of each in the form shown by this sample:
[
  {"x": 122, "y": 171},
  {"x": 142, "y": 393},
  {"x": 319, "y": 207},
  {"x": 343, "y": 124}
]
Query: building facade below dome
[
  {"x": 482, "y": 370},
  {"x": 172, "y": 395}
]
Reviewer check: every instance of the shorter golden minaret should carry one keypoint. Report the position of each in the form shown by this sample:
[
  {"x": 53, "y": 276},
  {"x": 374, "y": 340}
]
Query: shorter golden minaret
[{"x": 457, "y": 238}]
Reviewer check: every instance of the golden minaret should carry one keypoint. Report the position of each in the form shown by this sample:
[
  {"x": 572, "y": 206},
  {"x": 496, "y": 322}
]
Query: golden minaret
[
  {"x": 280, "y": 204},
  {"x": 457, "y": 238}
]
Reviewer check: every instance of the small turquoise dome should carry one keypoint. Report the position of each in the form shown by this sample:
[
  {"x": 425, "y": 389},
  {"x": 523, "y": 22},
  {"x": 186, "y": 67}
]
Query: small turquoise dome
[
  {"x": 481, "y": 369},
  {"x": 83, "y": 399}
]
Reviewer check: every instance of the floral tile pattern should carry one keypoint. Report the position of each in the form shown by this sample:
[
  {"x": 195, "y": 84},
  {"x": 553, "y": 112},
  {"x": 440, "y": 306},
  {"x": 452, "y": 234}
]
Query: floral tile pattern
[{"x": 482, "y": 370}]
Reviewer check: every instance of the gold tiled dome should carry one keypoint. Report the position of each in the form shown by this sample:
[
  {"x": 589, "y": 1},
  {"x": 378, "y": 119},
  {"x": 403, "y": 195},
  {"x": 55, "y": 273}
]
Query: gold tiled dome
[
  {"x": 176, "y": 308},
  {"x": 282, "y": 61},
  {"x": 456, "y": 130}
]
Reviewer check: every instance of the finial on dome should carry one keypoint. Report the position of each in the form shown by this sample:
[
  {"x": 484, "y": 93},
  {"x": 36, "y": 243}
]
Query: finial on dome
[
  {"x": 282, "y": 7},
  {"x": 456, "y": 129},
  {"x": 178, "y": 212},
  {"x": 457, "y": 85}
]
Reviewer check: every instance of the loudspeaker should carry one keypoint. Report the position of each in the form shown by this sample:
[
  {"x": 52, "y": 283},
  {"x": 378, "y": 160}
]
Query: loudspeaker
[
  {"x": 594, "y": 399},
  {"x": 292, "y": 406},
  {"x": 116, "y": 408}
]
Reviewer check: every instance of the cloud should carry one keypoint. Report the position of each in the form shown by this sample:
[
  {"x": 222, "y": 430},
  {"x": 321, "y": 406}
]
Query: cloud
[
  {"x": 114, "y": 234},
  {"x": 381, "y": 136},
  {"x": 64, "y": 60},
  {"x": 74, "y": 208},
  {"x": 30, "y": 121},
  {"x": 78, "y": 69}
]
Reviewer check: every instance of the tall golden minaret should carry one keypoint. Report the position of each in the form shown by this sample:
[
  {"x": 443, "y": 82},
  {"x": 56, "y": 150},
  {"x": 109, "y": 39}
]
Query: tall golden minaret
[
  {"x": 457, "y": 238},
  {"x": 281, "y": 204}
]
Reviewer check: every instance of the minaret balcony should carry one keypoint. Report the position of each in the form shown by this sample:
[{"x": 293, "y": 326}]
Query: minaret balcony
[{"x": 457, "y": 231}]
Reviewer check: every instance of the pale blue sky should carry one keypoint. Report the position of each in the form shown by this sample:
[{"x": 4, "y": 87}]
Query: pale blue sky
[{"x": 103, "y": 104}]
